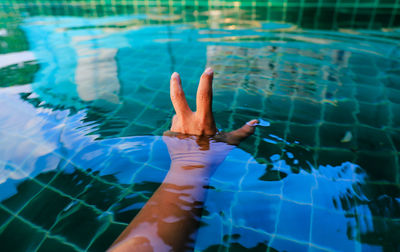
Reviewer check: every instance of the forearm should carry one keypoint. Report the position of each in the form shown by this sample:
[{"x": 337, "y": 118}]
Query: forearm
[{"x": 170, "y": 218}]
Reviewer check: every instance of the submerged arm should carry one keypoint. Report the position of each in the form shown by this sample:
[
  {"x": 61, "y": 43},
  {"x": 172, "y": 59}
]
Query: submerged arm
[{"x": 169, "y": 220}]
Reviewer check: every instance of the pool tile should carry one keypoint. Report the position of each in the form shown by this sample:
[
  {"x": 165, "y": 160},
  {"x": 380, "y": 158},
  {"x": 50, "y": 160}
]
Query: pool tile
[
  {"x": 277, "y": 107},
  {"x": 329, "y": 227},
  {"x": 146, "y": 188},
  {"x": 137, "y": 89},
  {"x": 394, "y": 135},
  {"x": 267, "y": 208},
  {"x": 299, "y": 158},
  {"x": 304, "y": 134},
  {"x": 286, "y": 244},
  {"x": 294, "y": 221},
  {"x": 80, "y": 226},
  {"x": 104, "y": 241},
  {"x": 4, "y": 216},
  {"x": 378, "y": 165},
  {"x": 136, "y": 130},
  {"x": 148, "y": 118},
  {"x": 149, "y": 174},
  {"x": 51, "y": 244},
  {"x": 395, "y": 110},
  {"x": 383, "y": 232},
  {"x": 298, "y": 188},
  {"x": 393, "y": 95},
  {"x": 45, "y": 207},
  {"x": 369, "y": 94},
  {"x": 249, "y": 239},
  {"x": 268, "y": 147},
  {"x": 46, "y": 177},
  {"x": 346, "y": 92},
  {"x": 94, "y": 188},
  {"x": 375, "y": 115},
  {"x": 325, "y": 196},
  {"x": 248, "y": 100},
  {"x": 71, "y": 181},
  {"x": 340, "y": 112},
  {"x": 21, "y": 236},
  {"x": 333, "y": 135},
  {"x": 219, "y": 202},
  {"x": 370, "y": 139},
  {"x": 92, "y": 156},
  {"x": 119, "y": 169},
  {"x": 127, "y": 208},
  {"x": 305, "y": 112},
  {"x": 26, "y": 190},
  {"x": 335, "y": 157},
  {"x": 370, "y": 247},
  {"x": 210, "y": 232}
]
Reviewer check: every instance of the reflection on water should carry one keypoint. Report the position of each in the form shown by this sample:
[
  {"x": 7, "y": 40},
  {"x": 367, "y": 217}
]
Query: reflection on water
[{"x": 321, "y": 171}]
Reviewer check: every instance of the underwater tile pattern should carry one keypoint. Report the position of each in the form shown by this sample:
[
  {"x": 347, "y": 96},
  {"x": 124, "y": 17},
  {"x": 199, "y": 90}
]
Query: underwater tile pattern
[
  {"x": 81, "y": 150},
  {"x": 316, "y": 14}
]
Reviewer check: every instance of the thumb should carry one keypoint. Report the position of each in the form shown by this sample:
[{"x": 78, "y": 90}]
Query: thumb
[{"x": 236, "y": 136}]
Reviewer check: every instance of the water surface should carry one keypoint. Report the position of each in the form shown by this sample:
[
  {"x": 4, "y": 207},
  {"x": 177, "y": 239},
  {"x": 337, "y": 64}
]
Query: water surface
[{"x": 84, "y": 102}]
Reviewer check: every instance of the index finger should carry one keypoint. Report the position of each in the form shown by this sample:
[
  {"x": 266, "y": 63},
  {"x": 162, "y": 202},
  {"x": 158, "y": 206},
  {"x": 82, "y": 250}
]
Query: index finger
[
  {"x": 178, "y": 96},
  {"x": 204, "y": 93}
]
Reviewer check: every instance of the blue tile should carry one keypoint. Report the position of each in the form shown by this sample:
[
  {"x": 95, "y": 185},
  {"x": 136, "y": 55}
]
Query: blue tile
[
  {"x": 294, "y": 221},
  {"x": 210, "y": 232},
  {"x": 266, "y": 208},
  {"x": 330, "y": 229},
  {"x": 286, "y": 244},
  {"x": 298, "y": 187}
]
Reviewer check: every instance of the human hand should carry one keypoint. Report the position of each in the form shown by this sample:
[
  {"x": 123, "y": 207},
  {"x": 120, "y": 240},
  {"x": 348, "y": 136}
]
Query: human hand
[
  {"x": 193, "y": 141},
  {"x": 201, "y": 122},
  {"x": 171, "y": 216}
]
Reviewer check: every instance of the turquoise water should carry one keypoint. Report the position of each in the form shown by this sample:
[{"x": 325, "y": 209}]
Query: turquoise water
[{"x": 83, "y": 107}]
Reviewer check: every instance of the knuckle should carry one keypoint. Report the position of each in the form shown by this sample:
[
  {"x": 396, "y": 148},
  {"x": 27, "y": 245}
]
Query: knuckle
[{"x": 203, "y": 97}]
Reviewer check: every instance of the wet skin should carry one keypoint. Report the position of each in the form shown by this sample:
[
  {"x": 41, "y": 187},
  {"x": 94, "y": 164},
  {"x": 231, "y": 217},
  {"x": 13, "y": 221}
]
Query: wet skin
[{"x": 169, "y": 220}]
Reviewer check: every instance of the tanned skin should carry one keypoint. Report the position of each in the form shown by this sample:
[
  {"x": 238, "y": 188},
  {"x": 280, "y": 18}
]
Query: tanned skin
[{"x": 170, "y": 219}]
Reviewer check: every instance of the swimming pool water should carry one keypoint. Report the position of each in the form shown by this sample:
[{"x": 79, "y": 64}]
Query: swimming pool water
[{"x": 84, "y": 101}]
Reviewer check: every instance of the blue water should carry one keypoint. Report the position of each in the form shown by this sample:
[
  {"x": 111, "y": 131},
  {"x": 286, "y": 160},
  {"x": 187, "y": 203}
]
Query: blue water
[{"x": 81, "y": 152}]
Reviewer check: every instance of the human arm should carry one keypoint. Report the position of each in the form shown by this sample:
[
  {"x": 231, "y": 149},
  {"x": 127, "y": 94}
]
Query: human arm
[{"x": 169, "y": 220}]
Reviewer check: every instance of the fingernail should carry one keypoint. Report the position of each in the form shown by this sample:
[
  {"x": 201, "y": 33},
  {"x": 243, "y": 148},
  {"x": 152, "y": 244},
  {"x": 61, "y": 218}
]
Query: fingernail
[
  {"x": 209, "y": 71},
  {"x": 175, "y": 76},
  {"x": 252, "y": 123}
]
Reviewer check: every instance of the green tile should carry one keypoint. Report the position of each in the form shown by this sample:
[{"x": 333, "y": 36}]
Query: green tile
[
  {"x": 380, "y": 166},
  {"x": 384, "y": 234},
  {"x": 302, "y": 158},
  {"x": 20, "y": 236},
  {"x": 25, "y": 191},
  {"x": 45, "y": 207},
  {"x": 340, "y": 112},
  {"x": 80, "y": 226},
  {"x": 394, "y": 135},
  {"x": 371, "y": 139},
  {"x": 370, "y": 94},
  {"x": 104, "y": 241},
  {"x": 375, "y": 115},
  {"x": 4, "y": 216},
  {"x": 127, "y": 208},
  {"x": 335, "y": 157},
  {"x": 303, "y": 134},
  {"x": 71, "y": 181},
  {"x": 50, "y": 245},
  {"x": 277, "y": 107},
  {"x": 306, "y": 112},
  {"x": 109, "y": 194},
  {"x": 334, "y": 135}
]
